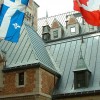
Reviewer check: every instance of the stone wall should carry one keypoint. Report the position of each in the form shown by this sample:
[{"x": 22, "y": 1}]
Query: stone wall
[
  {"x": 10, "y": 85},
  {"x": 38, "y": 82},
  {"x": 32, "y": 9},
  {"x": 48, "y": 82}
]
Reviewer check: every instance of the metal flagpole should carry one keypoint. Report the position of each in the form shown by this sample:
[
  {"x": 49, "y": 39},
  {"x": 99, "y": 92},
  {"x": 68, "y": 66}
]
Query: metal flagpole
[{"x": 46, "y": 17}]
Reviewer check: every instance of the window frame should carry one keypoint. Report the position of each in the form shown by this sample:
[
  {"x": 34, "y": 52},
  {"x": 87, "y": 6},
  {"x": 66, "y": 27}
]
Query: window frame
[
  {"x": 21, "y": 78},
  {"x": 17, "y": 79},
  {"x": 71, "y": 29},
  {"x": 82, "y": 78},
  {"x": 55, "y": 32},
  {"x": 46, "y": 36}
]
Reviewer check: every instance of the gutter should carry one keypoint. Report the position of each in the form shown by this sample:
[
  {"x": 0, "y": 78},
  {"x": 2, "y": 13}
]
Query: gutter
[
  {"x": 28, "y": 66},
  {"x": 76, "y": 94},
  {"x": 71, "y": 37}
]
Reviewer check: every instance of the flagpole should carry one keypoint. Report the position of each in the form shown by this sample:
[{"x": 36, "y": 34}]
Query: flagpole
[
  {"x": 99, "y": 7},
  {"x": 46, "y": 17}
]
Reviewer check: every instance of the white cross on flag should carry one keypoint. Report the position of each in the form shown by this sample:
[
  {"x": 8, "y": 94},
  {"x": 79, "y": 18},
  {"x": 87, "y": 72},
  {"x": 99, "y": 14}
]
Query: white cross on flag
[
  {"x": 11, "y": 19},
  {"x": 90, "y": 10}
]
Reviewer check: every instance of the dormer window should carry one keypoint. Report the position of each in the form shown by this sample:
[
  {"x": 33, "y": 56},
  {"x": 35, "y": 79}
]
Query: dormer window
[
  {"x": 46, "y": 32},
  {"x": 55, "y": 34},
  {"x": 46, "y": 29},
  {"x": 72, "y": 29},
  {"x": 57, "y": 30},
  {"x": 81, "y": 78},
  {"x": 72, "y": 26},
  {"x": 81, "y": 74}
]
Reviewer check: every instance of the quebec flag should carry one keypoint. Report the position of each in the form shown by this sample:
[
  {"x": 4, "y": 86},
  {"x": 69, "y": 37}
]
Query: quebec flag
[{"x": 11, "y": 19}]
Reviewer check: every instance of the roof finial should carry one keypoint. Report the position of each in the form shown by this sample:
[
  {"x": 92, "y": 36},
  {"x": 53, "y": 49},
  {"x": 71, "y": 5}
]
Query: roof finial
[{"x": 81, "y": 48}]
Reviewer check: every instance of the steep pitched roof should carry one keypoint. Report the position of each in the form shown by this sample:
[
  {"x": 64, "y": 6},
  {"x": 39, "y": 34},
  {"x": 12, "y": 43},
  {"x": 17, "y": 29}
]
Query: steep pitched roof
[
  {"x": 29, "y": 50},
  {"x": 66, "y": 55}
]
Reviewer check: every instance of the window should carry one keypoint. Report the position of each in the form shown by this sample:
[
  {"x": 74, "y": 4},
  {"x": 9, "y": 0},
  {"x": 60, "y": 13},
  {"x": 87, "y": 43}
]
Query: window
[
  {"x": 46, "y": 29},
  {"x": 55, "y": 34},
  {"x": 73, "y": 30},
  {"x": 81, "y": 78},
  {"x": 21, "y": 78},
  {"x": 46, "y": 36}
]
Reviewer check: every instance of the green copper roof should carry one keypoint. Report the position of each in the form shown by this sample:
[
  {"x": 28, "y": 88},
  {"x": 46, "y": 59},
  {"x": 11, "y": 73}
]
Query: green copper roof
[
  {"x": 29, "y": 50},
  {"x": 81, "y": 63},
  {"x": 66, "y": 53}
]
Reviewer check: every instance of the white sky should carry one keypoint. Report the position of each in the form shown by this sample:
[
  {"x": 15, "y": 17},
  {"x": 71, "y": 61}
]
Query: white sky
[{"x": 54, "y": 7}]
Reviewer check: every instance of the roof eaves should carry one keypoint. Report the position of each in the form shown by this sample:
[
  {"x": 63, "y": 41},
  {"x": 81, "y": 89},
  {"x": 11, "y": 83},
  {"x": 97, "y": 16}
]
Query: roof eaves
[
  {"x": 49, "y": 69},
  {"x": 81, "y": 69},
  {"x": 33, "y": 65},
  {"x": 22, "y": 67},
  {"x": 76, "y": 94},
  {"x": 71, "y": 37}
]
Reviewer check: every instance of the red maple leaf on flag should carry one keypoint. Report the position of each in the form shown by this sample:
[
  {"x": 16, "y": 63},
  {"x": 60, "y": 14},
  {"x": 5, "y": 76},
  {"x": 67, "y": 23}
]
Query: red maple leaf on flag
[{"x": 83, "y": 2}]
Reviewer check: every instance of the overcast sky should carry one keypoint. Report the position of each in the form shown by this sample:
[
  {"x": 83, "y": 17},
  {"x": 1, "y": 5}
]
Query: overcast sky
[{"x": 54, "y": 7}]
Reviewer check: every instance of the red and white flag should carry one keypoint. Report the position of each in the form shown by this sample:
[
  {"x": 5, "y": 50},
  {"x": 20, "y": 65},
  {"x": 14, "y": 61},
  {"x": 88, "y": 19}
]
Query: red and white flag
[{"x": 90, "y": 10}]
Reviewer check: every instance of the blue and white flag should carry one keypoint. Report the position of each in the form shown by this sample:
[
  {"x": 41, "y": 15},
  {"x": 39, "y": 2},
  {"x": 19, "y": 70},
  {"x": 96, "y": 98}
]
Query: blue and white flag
[{"x": 11, "y": 19}]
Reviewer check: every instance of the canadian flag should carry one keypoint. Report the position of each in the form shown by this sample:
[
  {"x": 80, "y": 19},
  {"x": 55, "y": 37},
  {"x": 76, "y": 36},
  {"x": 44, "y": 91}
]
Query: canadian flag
[{"x": 90, "y": 10}]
